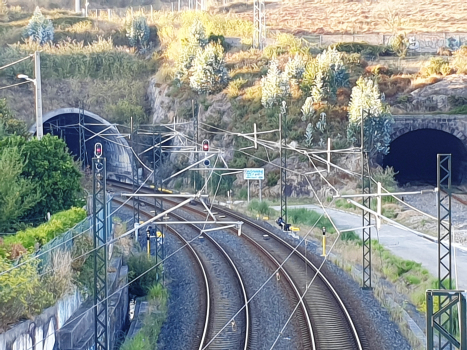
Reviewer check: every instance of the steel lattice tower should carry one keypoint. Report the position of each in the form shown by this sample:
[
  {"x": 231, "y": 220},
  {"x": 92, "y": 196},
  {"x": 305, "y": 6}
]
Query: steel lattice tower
[
  {"x": 366, "y": 216},
  {"x": 100, "y": 253},
  {"x": 259, "y": 22},
  {"x": 283, "y": 157},
  {"x": 134, "y": 173},
  {"x": 157, "y": 161},
  {"x": 83, "y": 155},
  {"x": 444, "y": 241},
  {"x": 194, "y": 108}
]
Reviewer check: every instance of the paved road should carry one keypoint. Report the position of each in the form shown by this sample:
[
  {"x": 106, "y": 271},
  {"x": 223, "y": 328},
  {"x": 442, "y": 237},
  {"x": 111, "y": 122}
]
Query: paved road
[{"x": 404, "y": 243}]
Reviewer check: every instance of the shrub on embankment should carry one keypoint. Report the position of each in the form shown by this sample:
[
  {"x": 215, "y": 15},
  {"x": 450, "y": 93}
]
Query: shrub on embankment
[
  {"x": 26, "y": 289},
  {"x": 26, "y": 240}
]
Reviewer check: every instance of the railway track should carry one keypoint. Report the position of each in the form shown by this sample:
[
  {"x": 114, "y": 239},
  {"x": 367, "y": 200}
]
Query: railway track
[
  {"x": 224, "y": 291},
  {"x": 320, "y": 315}
]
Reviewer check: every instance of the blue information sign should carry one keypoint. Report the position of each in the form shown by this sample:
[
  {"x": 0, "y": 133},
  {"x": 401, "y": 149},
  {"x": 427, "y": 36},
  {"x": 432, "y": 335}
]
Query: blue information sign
[{"x": 253, "y": 174}]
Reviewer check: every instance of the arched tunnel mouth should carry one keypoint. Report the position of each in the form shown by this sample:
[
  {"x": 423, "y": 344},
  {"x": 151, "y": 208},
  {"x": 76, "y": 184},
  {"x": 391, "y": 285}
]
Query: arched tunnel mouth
[
  {"x": 414, "y": 157},
  {"x": 82, "y": 137},
  {"x": 65, "y": 123}
]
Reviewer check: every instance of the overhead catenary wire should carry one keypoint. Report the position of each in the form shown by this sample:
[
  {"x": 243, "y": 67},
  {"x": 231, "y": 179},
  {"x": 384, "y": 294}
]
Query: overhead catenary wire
[
  {"x": 13, "y": 85},
  {"x": 18, "y": 61},
  {"x": 211, "y": 206}
]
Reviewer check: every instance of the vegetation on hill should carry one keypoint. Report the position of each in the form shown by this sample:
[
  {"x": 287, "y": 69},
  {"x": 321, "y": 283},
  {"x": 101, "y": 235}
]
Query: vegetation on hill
[{"x": 37, "y": 177}]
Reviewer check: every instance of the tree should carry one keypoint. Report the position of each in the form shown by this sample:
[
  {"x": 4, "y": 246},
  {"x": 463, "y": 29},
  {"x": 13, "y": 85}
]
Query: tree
[
  {"x": 51, "y": 168},
  {"x": 208, "y": 72},
  {"x": 17, "y": 193},
  {"x": 275, "y": 86},
  {"x": 294, "y": 69},
  {"x": 307, "y": 109},
  {"x": 324, "y": 75},
  {"x": 191, "y": 46},
  {"x": 137, "y": 32},
  {"x": 377, "y": 119},
  {"x": 39, "y": 28}
]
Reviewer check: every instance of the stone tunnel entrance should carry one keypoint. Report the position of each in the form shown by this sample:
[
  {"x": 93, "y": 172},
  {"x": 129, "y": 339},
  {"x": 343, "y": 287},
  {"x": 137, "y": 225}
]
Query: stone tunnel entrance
[
  {"x": 65, "y": 124},
  {"x": 413, "y": 156}
]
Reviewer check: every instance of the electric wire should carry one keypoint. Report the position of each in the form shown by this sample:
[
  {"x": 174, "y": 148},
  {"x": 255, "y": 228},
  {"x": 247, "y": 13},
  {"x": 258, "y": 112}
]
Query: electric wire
[
  {"x": 13, "y": 63},
  {"x": 13, "y": 85}
]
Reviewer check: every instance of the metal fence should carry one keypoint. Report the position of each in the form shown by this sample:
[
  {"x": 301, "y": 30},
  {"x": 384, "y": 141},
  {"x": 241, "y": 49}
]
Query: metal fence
[{"x": 64, "y": 242}]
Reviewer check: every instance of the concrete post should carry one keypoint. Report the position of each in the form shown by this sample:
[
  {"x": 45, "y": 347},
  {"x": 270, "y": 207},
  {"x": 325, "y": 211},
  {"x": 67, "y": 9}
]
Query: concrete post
[{"x": 37, "y": 83}]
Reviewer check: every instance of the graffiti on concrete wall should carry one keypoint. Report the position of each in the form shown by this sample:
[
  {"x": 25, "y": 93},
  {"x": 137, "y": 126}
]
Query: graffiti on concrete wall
[{"x": 431, "y": 43}]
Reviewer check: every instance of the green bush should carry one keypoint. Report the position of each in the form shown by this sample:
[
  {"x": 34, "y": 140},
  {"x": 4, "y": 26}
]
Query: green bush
[
  {"x": 359, "y": 47},
  {"x": 272, "y": 178},
  {"x": 436, "y": 66},
  {"x": 138, "y": 264},
  {"x": 124, "y": 110},
  {"x": 59, "y": 223},
  {"x": 350, "y": 236},
  {"x": 22, "y": 293},
  {"x": 309, "y": 218}
]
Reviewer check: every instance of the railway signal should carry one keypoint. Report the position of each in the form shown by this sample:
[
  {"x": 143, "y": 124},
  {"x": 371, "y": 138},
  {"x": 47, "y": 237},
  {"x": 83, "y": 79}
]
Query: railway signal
[
  {"x": 206, "y": 145},
  {"x": 98, "y": 150}
]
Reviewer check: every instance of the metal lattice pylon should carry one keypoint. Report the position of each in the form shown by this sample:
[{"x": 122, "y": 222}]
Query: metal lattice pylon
[
  {"x": 366, "y": 216},
  {"x": 83, "y": 155},
  {"x": 259, "y": 24},
  {"x": 444, "y": 245},
  {"x": 449, "y": 338},
  {"x": 99, "y": 218},
  {"x": 283, "y": 157},
  {"x": 195, "y": 111},
  {"x": 134, "y": 173},
  {"x": 157, "y": 161}
]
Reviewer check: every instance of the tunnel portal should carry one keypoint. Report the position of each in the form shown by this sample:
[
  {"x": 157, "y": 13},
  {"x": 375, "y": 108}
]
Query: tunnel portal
[
  {"x": 65, "y": 123},
  {"x": 414, "y": 156}
]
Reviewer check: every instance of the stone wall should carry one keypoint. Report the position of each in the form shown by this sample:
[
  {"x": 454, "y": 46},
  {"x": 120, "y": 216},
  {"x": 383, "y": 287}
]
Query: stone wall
[{"x": 452, "y": 124}]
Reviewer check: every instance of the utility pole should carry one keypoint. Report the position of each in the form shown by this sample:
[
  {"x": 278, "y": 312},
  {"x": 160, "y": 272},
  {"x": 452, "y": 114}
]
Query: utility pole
[
  {"x": 366, "y": 203},
  {"x": 283, "y": 157},
  {"x": 37, "y": 84},
  {"x": 99, "y": 221},
  {"x": 77, "y": 6}
]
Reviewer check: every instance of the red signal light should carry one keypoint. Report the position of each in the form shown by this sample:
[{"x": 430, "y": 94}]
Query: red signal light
[
  {"x": 98, "y": 150},
  {"x": 205, "y": 145}
]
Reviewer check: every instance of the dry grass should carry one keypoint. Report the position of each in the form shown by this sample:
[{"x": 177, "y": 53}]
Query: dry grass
[
  {"x": 59, "y": 282},
  {"x": 330, "y": 16}
]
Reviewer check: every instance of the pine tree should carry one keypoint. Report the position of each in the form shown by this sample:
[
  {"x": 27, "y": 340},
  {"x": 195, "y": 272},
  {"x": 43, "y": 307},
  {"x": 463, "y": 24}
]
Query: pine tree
[
  {"x": 39, "y": 28},
  {"x": 208, "y": 73},
  {"x": 275, "y": 86},
  {"x": 377, "y": 119}
]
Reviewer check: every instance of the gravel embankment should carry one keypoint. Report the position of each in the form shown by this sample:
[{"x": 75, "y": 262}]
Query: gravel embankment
[
  {"x": 373, "y": 319},
  {"x": 270, "y": 308}
]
